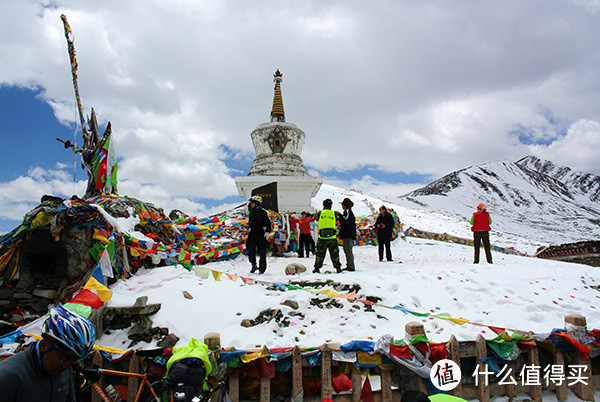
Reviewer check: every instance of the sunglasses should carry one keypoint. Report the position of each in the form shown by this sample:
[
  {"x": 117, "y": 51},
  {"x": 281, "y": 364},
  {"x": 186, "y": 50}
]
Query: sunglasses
[{"x": 65, "y": 359}]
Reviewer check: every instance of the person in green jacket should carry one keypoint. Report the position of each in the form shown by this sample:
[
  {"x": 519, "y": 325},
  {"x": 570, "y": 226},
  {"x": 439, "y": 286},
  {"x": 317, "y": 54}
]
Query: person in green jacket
[{"x": 327, "y": 238}]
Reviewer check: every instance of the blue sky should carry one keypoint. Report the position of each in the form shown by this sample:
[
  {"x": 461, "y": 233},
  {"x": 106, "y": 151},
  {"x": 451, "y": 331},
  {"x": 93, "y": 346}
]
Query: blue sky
[{"x": 390, "y": 97}]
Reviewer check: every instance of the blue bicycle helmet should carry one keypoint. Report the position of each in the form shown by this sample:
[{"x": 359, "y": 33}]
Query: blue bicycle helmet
[{"x": 69, "y": 332}]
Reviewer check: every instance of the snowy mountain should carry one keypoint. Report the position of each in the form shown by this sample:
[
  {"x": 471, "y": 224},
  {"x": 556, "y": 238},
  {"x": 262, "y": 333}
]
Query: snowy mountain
[{"x": 530, "y": 198}]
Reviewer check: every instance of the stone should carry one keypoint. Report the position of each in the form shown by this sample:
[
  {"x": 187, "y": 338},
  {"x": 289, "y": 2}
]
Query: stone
[
  {"x": 6, "y": 293},
  {"x": 97, "y": 320},
  {"x": 168, "y": 341},
  {"x": 134, "y": 310},
  {"x": 142, "y": 330},
  {"x": 41, "y": 306},
  {"x": 291, "y": 303},
  {"x": 46, "y": 293},
  {"x": 187, "y": 295},
  {"x": 140, "y": 301},
  {"x": 294, "y": 268},
  {"x": 247, "y": 323}
]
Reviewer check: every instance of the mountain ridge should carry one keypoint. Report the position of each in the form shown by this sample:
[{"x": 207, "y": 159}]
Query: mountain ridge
[{"x": 531, "y": 197}]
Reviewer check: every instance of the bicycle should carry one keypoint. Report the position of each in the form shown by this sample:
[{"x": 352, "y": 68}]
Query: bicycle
[
  {"x": 94, "y": 374},
  {"x": 165, "y": 390}
]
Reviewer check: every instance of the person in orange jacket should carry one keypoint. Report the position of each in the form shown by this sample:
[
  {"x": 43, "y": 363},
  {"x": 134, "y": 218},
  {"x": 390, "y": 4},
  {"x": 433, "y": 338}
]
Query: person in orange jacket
[
  {"x": 305, "y": 239},
  {"x": 481, "y": 221}
]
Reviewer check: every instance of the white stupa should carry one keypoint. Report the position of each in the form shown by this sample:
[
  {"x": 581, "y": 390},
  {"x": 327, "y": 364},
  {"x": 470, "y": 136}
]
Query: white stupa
[{"x": 278, "y": 145}]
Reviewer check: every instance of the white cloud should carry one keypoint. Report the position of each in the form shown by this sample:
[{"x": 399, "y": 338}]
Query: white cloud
[
  {"x": 19, "y": 196},
  {"x": 578, "y": 149}
]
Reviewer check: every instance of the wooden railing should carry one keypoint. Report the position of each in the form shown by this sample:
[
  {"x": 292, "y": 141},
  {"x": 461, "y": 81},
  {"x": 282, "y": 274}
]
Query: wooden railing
[{"x": 459, "y": 352}]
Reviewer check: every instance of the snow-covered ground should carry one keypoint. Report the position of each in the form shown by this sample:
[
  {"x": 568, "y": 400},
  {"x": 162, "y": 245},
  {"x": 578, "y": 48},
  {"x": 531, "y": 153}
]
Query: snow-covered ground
[{"x": 520, "y": 293}]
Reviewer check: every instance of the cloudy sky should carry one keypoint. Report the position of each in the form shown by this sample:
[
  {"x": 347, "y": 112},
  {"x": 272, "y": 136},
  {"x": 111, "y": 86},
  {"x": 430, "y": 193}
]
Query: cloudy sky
[{"x": 391, "y": 94}]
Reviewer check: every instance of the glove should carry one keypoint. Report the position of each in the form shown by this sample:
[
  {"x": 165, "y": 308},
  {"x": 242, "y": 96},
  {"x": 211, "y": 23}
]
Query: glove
[{"x": 266, "y": 236}]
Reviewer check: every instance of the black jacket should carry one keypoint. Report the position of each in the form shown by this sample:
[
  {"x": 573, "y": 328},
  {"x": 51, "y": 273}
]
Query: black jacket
[
  {"x": 22, "y": 378},
  {"x": 258, "y": 223},
  {"x": 347, "y": 225},
  {"x": 388, "y": 221}
]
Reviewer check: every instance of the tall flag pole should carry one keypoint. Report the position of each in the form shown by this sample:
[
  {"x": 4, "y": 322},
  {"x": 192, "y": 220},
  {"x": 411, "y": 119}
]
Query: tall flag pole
[{"x": 71, "y": 47}]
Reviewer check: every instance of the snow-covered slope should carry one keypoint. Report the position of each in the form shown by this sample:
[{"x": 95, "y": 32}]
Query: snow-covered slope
[{"x": 529, "y": 198}]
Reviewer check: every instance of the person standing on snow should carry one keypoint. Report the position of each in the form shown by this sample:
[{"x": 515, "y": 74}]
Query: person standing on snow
[
  {"x": 347, "y": 232},
  {"x": 327, "y": 238},
  {"x": 384, "y": 225},
  {"x": 260, "y": 227},
  {"x": 480, "y": 226},
  {"x": 305, "y": 238}
]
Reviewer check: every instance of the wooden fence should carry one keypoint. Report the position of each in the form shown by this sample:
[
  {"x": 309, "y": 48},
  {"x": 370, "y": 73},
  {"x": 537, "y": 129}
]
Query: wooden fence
[{"x": 465, "y": 354}]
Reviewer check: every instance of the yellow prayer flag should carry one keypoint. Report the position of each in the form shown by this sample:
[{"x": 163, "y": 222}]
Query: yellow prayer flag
[
  {"x": 101, "y": 238},
  {"x": 216, "y": 275},
  {"x": 459, "y": 321},
  {"x": 329, "y": 293},
  {"x": 253, "y": 356},
  {"x": 104, "y": 293}
]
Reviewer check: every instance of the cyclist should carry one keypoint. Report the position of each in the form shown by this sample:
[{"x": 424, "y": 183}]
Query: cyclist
[{"x": 43, "y": 371}]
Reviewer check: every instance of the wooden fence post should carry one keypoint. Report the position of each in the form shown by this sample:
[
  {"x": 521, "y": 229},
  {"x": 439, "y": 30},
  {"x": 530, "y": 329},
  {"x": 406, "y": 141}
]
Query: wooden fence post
[
  {"x": 533, "y": 359},
  {"x": 212, "y": 340},
  {"x": 97, "y": 360},
  {"x": 265, "y": 383},
  {"x": 234, "y": 387},
  {"x": 356, "y": 376},
  {"x": 297, "y": 388},
  {"x": 326, "y": 387},
  {"x": 483, "y": 387},
  {"x": 455, "y": 357},
  {"x": 577, "y": 325},
  {"x": 411, "y": 329},
  {"x": 386, "y": 386},
  {"x": 133, "y": 382},
  {"x": 510, "y": 389},
  {"x": 561, "y": 388}
]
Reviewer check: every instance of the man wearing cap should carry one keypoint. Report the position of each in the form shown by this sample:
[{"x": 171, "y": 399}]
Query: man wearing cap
[
  {"x": 260, "y": 227},
  {"x": 327, "y": 238},
  {"x": 480, "y": 226},
  {"x": 347, "y": 232}
]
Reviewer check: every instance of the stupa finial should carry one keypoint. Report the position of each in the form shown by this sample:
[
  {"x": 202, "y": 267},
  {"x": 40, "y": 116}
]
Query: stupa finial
[{"x": 277, "y": 113}]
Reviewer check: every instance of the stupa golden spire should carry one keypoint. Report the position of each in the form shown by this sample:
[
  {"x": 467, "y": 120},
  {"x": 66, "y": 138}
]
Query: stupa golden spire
[{"x": 277, "y": 113}]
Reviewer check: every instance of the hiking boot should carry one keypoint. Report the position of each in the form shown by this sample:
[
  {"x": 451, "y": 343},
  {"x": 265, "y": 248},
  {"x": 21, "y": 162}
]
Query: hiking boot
[
  {"x": 348, "y": 269},
  {"x": 339, "y": 270},
  {"x": 254, "y": 269},
  {"x": 262, "y": 271},
  {"x": 316, "y": 271}
]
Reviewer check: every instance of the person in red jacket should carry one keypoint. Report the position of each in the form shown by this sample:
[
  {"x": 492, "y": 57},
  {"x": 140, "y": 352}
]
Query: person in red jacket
[
  {"x": 305, "y": 239},
  {"x": 481, "y": 221}
]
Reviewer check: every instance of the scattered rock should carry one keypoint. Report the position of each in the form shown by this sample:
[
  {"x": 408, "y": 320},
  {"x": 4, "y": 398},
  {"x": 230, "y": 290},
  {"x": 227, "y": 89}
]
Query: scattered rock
[
  {"x": 294, "y": 268},
  {"x": 187, "y": 295},
  {"x": 291, "y": 303},
  {"x": 247, "y": 323},
  {"x": 46, "y": 293},
  {"x": 142, "y": 330},
  {"x": 168, "y": 341}
]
